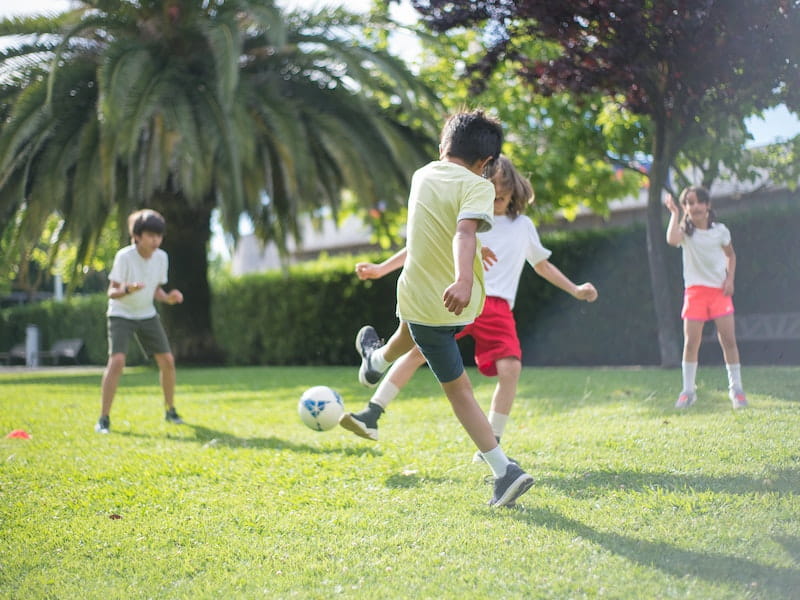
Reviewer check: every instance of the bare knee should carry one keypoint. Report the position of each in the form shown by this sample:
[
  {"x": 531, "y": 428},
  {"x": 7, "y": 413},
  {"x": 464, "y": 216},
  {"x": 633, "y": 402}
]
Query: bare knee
[
  {"x": 116, "y": 363},
  {"x": 165, "y": 361}
]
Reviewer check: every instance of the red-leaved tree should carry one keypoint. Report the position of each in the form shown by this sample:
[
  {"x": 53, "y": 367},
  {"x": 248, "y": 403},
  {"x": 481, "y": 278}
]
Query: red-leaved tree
[{"x": 680, "y": 64}]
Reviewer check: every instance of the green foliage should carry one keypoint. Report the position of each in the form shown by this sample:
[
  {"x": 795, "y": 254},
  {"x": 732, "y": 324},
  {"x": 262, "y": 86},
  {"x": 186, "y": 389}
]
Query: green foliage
[
  {"x": 309, "y": 315},
  {"x": 631, "y": 499},
  {"x": 575, "y": 153}
]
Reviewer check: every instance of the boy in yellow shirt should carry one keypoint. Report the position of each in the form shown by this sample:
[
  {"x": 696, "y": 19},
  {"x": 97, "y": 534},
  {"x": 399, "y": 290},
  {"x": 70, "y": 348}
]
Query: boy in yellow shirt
[{"x": 441, "y": 290}]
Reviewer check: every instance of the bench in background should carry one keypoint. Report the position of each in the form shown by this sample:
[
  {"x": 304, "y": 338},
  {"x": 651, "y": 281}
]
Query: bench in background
[
  {"x": 70, "y": 349},
  {"x": 16, "y": 353}
]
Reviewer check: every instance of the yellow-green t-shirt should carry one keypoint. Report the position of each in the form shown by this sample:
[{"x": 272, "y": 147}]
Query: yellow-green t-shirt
[{"x": 442, "y": 193}]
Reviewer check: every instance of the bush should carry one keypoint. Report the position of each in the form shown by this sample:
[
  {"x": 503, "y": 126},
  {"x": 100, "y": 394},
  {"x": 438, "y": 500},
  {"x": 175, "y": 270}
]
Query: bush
[{"x": 310, "y": 315}]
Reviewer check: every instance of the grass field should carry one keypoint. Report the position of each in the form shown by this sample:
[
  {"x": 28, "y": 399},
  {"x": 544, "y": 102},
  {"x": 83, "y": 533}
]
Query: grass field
[{"x": 632, "y": 500}]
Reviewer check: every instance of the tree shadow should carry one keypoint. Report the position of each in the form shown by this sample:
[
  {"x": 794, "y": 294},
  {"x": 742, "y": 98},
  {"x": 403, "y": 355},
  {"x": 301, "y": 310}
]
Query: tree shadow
[
  {"x": 211, "y": 438},
  {"x": 414, "y": 480},
  {"x": 767, "y": 581},
  {"x": 592, "y": 483}
]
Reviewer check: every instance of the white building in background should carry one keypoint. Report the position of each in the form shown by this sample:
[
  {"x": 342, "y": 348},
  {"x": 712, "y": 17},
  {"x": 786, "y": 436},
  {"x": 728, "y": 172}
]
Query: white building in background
[{"x": 351, "y": 236}]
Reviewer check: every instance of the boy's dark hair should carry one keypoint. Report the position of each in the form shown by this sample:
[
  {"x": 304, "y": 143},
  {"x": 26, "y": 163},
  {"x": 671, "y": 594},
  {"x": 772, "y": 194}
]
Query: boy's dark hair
[
  {"x": 703, "y": 197},
  {"x": 146, "y": 219},
  {"x": 472, "y": 136},
  {"x": 502, "y": 173}
]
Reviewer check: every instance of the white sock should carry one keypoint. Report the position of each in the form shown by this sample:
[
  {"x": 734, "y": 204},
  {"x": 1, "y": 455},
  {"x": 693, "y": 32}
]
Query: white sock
[
  {"x": 386, "y": 392},
  {"x": 497, "y": 461},
  {"x": 734, "y": 376},
  {"x": 377, "y": 361},
  {"x": 498, "y": 422},
  {"x": 689, "y": 370}
]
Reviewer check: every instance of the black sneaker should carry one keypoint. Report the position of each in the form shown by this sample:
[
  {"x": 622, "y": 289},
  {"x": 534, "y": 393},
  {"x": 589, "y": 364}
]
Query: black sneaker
[
  {"x": 172, "y": 416},
  {"x": 103, "y": 425},
  {"x": 364, "y": 423},
  {"x": 367, "y": 341},
  {"x": 510, "y": 486}
]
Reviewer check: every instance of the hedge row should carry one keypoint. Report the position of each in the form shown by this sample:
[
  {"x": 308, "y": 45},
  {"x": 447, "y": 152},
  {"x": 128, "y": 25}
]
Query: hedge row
[{"x": 310, "y": 316}]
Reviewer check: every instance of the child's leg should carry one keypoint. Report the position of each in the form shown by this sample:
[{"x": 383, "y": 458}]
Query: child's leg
[
  {"x": 462, "y": 399},
  {"x": 726, "y": 333},
  {"x": 692, "y": 336},
  {"x": 111, "y": 375},
  {"x": 398, "y": 376},
  {"x": 166, "y": 367},
  {"x": 508, "y": 372}
]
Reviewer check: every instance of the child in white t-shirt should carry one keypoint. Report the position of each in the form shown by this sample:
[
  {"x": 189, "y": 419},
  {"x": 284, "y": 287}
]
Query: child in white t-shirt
[
  {"x": 512, "y": 241},
  {"x": 709, "y": 268},
  {"x": 135, "y": 281}
]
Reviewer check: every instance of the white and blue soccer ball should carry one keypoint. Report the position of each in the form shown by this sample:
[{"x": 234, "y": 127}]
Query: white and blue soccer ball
[{"x": 320, "y": 408}]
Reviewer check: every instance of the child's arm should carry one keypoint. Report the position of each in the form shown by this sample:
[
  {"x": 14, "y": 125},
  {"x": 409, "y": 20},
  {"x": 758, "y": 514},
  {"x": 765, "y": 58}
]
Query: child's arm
[
  {"x": 118, "y": 290},
  {"x": 173, "y": 297},
  {"x": 373, "y": 271},
  {"x": 674, "y": 233},
  {"x": 727, "y": 286},
  {"x": 550, "y": 272},
  {"x": 457, "y": 295}
]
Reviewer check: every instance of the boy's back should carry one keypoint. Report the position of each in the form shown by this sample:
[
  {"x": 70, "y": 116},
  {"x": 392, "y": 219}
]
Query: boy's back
[{"x": 442, "y": 193}]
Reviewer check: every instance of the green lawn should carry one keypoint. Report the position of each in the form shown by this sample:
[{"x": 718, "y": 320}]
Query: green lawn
[{"x": 632, "y": 500}]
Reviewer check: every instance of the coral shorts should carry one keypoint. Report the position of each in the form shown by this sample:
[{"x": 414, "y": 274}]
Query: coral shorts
[
  {"x": 495, "y": 335},
  {"x": 702, "y": 303}
]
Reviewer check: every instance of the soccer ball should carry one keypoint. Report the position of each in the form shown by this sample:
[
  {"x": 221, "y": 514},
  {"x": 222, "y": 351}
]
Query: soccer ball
[{"x": 320, "y": 408}]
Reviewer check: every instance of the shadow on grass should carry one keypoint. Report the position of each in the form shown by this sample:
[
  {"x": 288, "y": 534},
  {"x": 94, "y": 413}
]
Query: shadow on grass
[
  {"x": 590, "y": 483},
  {"x": 413, "y": 480},
  {"x": 766, "y": 581},
  {"x": 211, "y": 438}
]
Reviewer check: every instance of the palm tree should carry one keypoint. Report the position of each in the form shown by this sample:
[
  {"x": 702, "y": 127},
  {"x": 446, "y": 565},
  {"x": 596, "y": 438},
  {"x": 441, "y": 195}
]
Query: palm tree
[{"x": 189, "y": 105}]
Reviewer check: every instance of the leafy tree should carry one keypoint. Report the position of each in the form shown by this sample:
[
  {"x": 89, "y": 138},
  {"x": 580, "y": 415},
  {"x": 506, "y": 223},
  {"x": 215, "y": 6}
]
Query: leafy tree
[
  {"x": 569, "y": 150},
  {"x": 188, "y": 105},
  {"x": 685, "y": 66}
]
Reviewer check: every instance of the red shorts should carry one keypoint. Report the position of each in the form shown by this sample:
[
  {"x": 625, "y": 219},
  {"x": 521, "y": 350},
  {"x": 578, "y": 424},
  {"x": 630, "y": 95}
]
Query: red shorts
[
  {"x": 702, "y": 303},
  {"x": 495, "y": 335}
]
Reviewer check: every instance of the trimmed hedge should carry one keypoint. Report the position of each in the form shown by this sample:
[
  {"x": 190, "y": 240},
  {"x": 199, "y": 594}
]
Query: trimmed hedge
[{"x": 310, "y": 316}]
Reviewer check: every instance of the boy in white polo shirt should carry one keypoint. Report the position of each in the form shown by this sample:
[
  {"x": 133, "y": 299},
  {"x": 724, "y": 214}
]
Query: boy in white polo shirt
[
  {"x": 441, "y": 288},
  {"x": 135, "y": 281}
]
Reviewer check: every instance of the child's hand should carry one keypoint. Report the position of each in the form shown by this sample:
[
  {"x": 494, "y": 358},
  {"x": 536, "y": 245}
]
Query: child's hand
[
  {"x": 457, "y": 296},
  {"x": 174, "y": 297},
  {"x": 586, "y": 291},
  {"x": 367, "y": 271},
  {"x": 670, "y": 204},
  {"x": 727, "y": 288},
  {"x": 129, "y": 288},
  {"x": 488, "y": 257}
]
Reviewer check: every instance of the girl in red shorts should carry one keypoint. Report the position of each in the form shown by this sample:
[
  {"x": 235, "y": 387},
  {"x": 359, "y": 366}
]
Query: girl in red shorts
[
  {"x": 506, "y": 247},
  {"x": 709, "y": 267}
]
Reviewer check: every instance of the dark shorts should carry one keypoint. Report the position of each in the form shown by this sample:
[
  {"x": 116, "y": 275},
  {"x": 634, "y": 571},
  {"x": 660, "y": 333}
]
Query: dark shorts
[
  {"x": 149, "y": 332},
  {"x": 495, "y": 335},
  {"x": 440, "y": 349}
]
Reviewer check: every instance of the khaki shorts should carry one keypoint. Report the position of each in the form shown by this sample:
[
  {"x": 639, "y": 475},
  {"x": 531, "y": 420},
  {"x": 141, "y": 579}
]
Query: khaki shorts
[{"x": 150, "y": 333}]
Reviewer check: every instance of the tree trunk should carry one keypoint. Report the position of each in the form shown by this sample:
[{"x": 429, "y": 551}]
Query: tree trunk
[
  {"x": 669, "y": 341},
  {"x": 186, "y": 239}
]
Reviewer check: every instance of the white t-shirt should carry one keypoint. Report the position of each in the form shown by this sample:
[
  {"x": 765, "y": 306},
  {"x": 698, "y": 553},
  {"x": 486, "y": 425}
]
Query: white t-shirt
[
  {"x": 442, "y": 193},
  {"x": 513, "y": 241},
  {"x": 704, "y": 260},
  {"x": 131, "y": 267}
]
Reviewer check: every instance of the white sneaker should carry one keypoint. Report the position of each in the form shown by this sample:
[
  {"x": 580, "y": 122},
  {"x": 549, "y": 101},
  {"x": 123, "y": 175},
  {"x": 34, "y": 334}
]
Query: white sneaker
[
  {"x": 685, "y": 399},
  {"x": 738, "y": 399}
]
